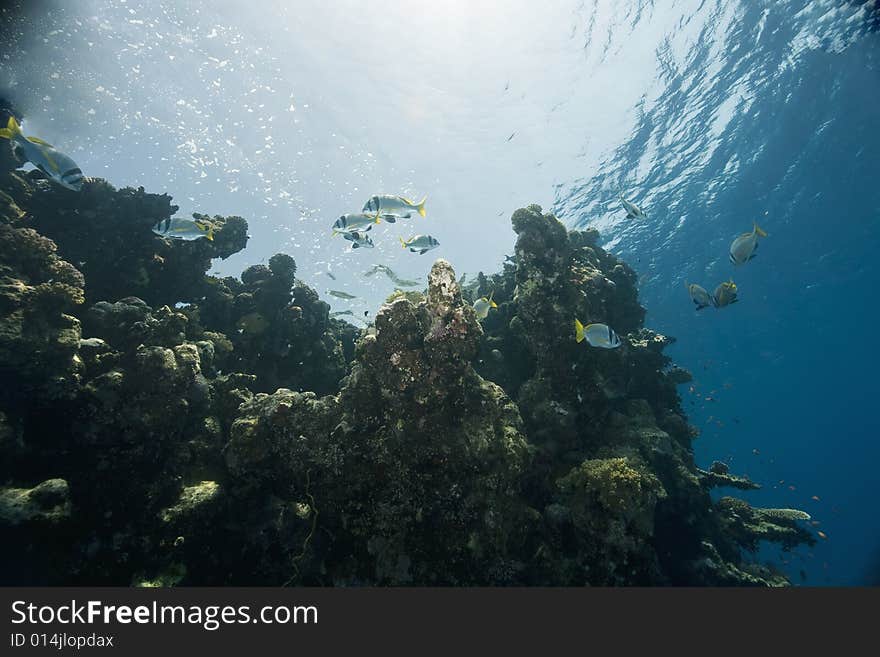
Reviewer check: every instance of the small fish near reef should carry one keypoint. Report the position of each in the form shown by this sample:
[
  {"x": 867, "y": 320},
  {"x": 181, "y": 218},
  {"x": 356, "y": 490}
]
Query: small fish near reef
[
  {"x": 633, "y": 211},
  {"x": 699, "y": 295},
  {"x": 394, "y": 206},
  {"x": 341, "y": 313},
  {"x": 341, "y": 295},
  {"x": 743, "y": 248},
  {"x": 184, "y": 229},
  {"x": 483, "y": 305},
  {"x": 597, "y": 335},
  {"x": 359, "y": 240},
  {"x": 348, "y": 223},
  {"x": 60, "y": 168},
  {"x": 420, "y": 244},
  {"x": 725, "y": 294}
]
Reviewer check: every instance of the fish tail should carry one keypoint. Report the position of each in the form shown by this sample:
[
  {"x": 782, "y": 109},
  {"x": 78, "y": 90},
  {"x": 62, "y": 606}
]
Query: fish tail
[
  {"x": 210, "y": 234},
  {"x": 491, "y": 302},
  {"x": 420, "y": 206},
  {"x": 578, "y": 331},
  {"x": 335, "y": 233},
  {"x": 402, "y": 243},
  {"x": 760, "y": 231},
  {"x": 376, "y": 220},
  {"x": 13, "y": 127}
]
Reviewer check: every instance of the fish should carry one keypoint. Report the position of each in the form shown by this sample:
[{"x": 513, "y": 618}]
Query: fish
[
  {"x": 359, "y": 239},
  {"x": 340, "y": 313},
  {"x": 743, "y": 248},
  {"x": 482, "y": 306},
  {"x": 184, "y": 229},
  {"x": 823, "y": 535},
  {"x": 699, "y": 296},
  {"x": 253, "y": 323},
  {"x": 420, "y": 244},
  {"x": 331, "y": 275},
  {"x": 512, "y": 134},
  {"x": 597, "y": 335},
  {"x": 395, "y": 206},
  {"x": 403, "y": 282},
  {"x": 60, "y": 168},
  {"x": 348, "y": 223},
  {"x": 633, "y": 211},
  {"x": 340, "y": 294},
  {"x": 725, "y": 294}
]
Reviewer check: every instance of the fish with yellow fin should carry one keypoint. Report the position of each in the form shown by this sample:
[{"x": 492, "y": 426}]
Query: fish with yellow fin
[
  {"x": 596, "y": 335},
  {"x": 59, "y": 167}
]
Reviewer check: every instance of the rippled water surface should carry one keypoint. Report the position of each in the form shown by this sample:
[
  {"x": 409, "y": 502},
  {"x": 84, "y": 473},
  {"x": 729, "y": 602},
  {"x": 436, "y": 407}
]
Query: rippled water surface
[{"x": 709, "y": 114}]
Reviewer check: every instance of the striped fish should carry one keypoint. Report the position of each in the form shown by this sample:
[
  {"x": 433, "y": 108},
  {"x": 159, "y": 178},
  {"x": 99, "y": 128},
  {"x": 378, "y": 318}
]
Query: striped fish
[
  {"x": 597, "y": 335},
  {"x": 59, "y": 167},
  {"x": 184, "y": 229}
]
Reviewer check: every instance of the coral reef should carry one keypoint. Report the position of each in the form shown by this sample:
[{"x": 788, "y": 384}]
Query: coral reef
[{"x": 160, "y": 426}]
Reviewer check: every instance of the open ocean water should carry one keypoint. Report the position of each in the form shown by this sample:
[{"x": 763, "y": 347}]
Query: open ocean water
[{"x": 710, "y": 115}]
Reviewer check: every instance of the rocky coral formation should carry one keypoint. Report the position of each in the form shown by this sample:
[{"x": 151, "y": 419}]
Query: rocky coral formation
[{"x": 160, "y": 426}]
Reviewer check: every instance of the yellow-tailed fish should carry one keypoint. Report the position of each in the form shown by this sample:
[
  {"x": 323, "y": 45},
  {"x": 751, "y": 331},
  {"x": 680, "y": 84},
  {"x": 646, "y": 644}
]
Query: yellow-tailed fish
[
  {"x": 351, "y": 222},
  {"x": 725, "y": 294},
  {"x": 482, "y": 306},
  {"x": 394, "y": 206},
  {"x": 597, "y": 335},
  {"x": 184, "y": 229},
  {"x": 59, "y": 167},
  {"x": 420, "y": 244},
  {"x": 743, "y": 248}
]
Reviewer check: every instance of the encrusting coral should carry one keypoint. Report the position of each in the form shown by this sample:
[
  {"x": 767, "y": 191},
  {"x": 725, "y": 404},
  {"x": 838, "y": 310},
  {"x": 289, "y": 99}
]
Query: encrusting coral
[{"x": 161, "y": 426}]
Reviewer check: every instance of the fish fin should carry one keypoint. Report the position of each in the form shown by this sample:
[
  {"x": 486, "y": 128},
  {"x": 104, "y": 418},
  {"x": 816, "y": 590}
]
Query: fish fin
[
  {"x": 334, "y": 233},
  {"x": 376, "y": 220},
  {"x": 355, "y": 245},
  {"x": 6, "y": 133},
  {"x": 389, "y": 218},
  {"x": 578, "y": 331},
  {"x": 423, "y": 251},
  {"x": 761, "y": 232},
  {"x": 753, "y": 256},
  {"x": 402, "y": 243},
  {"x": 493, "y": 304},
  {"x": 12, "y": 126},
  {"x": 420, "y": 206},
  {"x": 210, "y": 234},
  {"x": 37, "y": 140}
]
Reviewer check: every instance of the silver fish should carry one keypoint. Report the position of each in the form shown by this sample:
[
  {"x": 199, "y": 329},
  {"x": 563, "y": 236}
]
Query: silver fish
[
  {"x": 184, "y": 229},
  {"x": 420, "y": 244},
  {"x": 59, "y": 167},
  {"x": 633, "y": 211},
  {"x": 352, "y": 222},
  {"x": 359, "y": 239},
  {"x": 597, "y": 335},
  {"x": 699, "y": 296},
  {"x": 340, "y": 313},
  {"x": 340, "y": 294},
  {"x": 725, "y": 294},
  {"x": 483, "y": 305},
  {"x": 398, "y": 206},
  {"x": 743, "y": 248}
]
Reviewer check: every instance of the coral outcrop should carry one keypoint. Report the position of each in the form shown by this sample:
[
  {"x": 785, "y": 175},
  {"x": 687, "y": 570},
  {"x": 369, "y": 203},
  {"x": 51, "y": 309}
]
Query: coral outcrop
[{"x": 161, "y": 426}]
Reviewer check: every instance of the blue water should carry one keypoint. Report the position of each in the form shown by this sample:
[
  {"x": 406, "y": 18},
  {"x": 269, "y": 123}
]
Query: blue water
[{"x": 709, "y": 114}]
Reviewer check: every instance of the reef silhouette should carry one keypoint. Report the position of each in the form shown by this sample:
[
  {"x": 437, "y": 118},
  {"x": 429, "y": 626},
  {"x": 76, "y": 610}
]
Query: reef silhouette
[{"x": 161, "y": 426}]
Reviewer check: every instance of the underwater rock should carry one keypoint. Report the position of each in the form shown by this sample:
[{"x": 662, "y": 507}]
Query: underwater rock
[
  {"x": 246, "y": 437},
  {"x": 48, "y": 502},
  {"x": 38, "y": 338},
  {"x": 749, "y": 525},
  {"x": 108, "y": 234}
]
